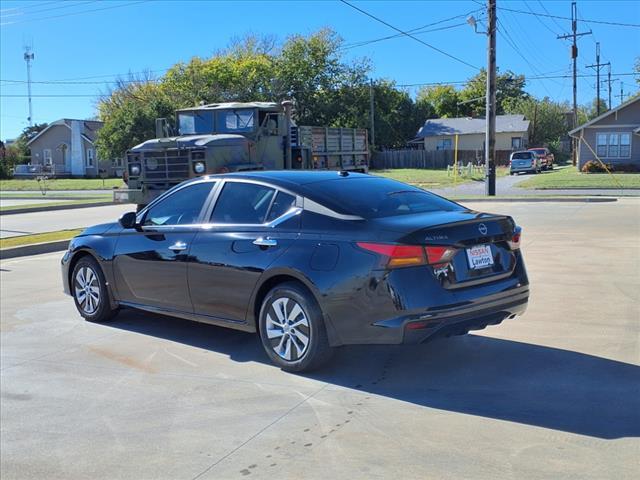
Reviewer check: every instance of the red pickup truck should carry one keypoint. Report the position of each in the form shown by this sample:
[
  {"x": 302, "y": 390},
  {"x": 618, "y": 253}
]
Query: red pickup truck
[{"x": 546, "y": 157}]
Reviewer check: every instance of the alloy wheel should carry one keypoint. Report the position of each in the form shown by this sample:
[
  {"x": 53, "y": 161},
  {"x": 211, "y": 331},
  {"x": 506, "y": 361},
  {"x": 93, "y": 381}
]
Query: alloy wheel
[
  {"x": 287, "y": 328},
  {"x": 87, "y": 290}
]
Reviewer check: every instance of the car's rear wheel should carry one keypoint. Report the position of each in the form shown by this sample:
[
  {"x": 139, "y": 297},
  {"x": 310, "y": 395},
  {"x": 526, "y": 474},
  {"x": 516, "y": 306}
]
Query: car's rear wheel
[
  {"x": 90, "y": 292},
  {"x": 292, "y": 329}
]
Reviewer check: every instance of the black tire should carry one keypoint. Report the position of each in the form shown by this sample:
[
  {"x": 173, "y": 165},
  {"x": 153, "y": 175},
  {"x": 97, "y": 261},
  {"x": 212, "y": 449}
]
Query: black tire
[
  {"x": 316, "y": 352},
  {"x": 94, "y": 283}
]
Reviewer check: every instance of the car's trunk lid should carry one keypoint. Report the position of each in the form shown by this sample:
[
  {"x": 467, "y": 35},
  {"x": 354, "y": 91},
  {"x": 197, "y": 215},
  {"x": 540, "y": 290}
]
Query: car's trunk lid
[{"x": 465, "y": 230}]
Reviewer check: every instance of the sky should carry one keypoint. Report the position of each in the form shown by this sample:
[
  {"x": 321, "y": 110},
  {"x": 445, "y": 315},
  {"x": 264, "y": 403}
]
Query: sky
[{"x": 93, "y": 42}]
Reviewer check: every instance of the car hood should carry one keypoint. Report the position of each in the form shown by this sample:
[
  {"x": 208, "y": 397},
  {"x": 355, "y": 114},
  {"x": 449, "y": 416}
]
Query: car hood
[
  {"x": 191, "y": 141},
  {"x": 99, "y": 229}
]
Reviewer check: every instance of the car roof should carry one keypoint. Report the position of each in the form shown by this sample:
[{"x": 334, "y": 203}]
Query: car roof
[{"x": 289, "y": 178}]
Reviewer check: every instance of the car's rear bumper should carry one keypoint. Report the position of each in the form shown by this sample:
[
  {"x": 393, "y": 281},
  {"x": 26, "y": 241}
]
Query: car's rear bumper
[
  {"x": 522, "y": 169},
  {"x": 458, "y": 319}
]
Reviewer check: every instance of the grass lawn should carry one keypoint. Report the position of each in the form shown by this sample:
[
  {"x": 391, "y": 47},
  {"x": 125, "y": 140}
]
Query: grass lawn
[
  {"x": 63, "y": 184},
  {"x": 569, "y": 177},
  {"x": 38, "y": 238},
  {"x": 432, "y": 178}
]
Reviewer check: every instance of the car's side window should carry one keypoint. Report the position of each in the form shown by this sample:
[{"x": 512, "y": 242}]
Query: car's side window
[
  {"x": 281, "y": 205},
  {"x": 242, "y": 203},
  {"x": 180, "y": 208}
]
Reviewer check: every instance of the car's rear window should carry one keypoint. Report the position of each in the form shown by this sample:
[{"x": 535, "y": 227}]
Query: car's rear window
[
  {"x": 540, "y": 151},
  {"x": 375, "y": 197},
  {"x": 522, "y": 156}
]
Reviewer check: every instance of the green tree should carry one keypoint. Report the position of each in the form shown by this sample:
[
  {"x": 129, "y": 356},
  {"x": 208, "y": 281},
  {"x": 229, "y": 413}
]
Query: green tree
[
  {"x": 439, "y": 100},
  {"x": 548, "y": 119},
  {"x": 509, "y": 87},
  {"x": 129, "y": 114}
]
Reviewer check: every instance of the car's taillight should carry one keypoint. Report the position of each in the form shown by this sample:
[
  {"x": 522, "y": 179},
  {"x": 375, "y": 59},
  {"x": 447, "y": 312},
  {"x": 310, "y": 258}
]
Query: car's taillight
[
  {"x": 398, "y": 255},
  {"x": 410, "y": 255},
  {"x": 514, "y": 243},
  {"x": 438, "y": 255}
]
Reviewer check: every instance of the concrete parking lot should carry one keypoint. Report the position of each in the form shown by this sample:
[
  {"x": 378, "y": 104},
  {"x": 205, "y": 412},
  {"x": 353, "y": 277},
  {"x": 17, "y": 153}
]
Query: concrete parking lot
[{"x": 552, "y": 394}]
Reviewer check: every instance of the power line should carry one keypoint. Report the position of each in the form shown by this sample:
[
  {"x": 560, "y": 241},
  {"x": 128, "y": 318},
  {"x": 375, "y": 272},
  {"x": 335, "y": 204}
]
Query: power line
[
  {"x": 542, "y": 77},
  {"x": 409, "y": 35},
  {"x": 74, "y": 13},
  {"x": 368, "y": 42},
  {"x": 416, "y": 30},
  {"x": 552, "y": 19},
  {"x": 539, "y": 76},
  {"x": 602, "y": 22},
  {"x": 539, "y": 19},
  {"x": 66, "y": 5},
  {"x": 505, "y": 34},
  {"x": 62, "y": 82},
  {"x": 36, "y": 5},
  {"x": 47, "y": 96}
]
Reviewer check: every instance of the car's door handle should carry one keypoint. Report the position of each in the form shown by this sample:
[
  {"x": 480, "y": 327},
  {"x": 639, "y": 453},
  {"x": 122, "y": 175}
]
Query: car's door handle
[
  {"x": 265, "y": 242},
  {"x": 178, "y": 246}
]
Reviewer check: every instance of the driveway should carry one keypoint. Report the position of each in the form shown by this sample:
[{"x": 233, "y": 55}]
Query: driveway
[{"x": 553, "y": 394}]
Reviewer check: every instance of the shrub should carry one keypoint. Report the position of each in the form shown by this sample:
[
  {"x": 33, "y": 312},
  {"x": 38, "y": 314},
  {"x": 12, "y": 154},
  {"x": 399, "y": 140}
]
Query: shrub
[
  {"x": 626, "y": 167},
  {"x": 594, "y": 166}
]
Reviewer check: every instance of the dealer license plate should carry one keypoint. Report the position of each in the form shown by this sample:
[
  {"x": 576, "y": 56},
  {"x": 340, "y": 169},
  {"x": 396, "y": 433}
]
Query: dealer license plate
[{"x": 479, "y": 257}]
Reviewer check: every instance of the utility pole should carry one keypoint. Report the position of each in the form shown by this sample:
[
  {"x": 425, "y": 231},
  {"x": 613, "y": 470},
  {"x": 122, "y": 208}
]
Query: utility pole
[
  {"x": 574, "y": 55},
  {"x": 490, "y": 137},
  {"x": 597, "y": 66},
  {"x": 621, "y": 96},
  {"x": 609, "y": 81},
  {"x": 28, "y": 56},
  {"x": 372, "y": 116}
]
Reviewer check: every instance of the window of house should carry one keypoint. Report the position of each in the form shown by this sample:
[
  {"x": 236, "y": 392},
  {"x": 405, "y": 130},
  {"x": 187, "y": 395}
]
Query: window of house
[
  {"x": 180, "y": 208},
  {"x": 90, "y": 157},
  {"x": 601, "y": 142},
  {"x": 242, "y": 203},
  {"x": 625, "y": 145},
  {"x": 613, "y": 145},
  {"x": 444, "y": 144},
  {"x": 46, "y": 155},
  {"x": 516, "y": 143}
]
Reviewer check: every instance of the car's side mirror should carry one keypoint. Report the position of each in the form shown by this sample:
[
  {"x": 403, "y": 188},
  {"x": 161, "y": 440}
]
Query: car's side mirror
[{"x": 128, "y": 220}]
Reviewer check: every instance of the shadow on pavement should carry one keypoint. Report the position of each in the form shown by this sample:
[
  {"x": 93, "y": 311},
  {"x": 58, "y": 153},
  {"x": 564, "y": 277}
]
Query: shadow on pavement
[{"x": 476, "y": 375}]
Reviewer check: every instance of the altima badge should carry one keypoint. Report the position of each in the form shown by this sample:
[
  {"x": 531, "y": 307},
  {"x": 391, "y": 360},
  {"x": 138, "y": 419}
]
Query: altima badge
[{"x": 482, "y": 228}]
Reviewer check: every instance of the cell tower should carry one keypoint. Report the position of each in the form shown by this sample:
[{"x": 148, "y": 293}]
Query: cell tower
[{"x": 28, "y": 56}]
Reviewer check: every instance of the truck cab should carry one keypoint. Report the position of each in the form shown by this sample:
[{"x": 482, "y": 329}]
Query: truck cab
[{"x": 232, "y": 137}]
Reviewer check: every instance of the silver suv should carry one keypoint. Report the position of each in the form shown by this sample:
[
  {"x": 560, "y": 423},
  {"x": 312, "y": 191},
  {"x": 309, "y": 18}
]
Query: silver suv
[{"x": 524, "y": 161}]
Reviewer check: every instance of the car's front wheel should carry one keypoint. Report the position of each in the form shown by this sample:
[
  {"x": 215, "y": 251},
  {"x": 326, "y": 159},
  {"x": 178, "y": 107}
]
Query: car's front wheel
[
  {"x": 90, "y": 291},
  {"x": 292, "y": 329}
]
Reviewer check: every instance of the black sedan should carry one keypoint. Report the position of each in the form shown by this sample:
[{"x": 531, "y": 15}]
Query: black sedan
[{"x": 309, "y": 260}]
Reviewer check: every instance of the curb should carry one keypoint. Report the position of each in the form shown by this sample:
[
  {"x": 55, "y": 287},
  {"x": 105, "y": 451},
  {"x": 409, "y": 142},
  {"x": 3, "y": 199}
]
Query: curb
[
  {"x": 539, "y": 199},
  {"x": 34, "y": 249},
  {"x": 15, "y": 211}
]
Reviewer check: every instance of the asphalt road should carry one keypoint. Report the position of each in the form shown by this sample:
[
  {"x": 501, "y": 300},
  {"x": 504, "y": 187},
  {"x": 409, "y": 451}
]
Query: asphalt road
[
  {"x": 553, "y": 394},
  {"x": 38, "y": 222}
]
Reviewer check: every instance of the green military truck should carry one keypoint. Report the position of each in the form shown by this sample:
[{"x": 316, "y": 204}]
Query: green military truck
[{"x": 233, "y": 137}]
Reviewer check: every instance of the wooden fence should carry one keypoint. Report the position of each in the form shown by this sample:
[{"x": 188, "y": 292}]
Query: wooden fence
[{"x": 433, "y": 159}]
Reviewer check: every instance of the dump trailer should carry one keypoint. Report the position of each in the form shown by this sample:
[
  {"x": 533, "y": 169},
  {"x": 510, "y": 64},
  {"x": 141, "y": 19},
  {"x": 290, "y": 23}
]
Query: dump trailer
[{"x": 233, "y": 137}]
